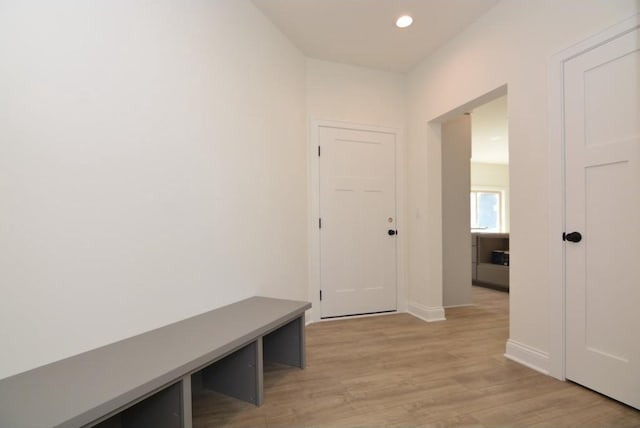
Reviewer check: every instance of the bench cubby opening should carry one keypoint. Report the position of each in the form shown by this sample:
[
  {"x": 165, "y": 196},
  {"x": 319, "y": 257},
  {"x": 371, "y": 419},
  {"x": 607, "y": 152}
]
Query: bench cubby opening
[
  {"x": 285, "y": 345},
  {"x": 237, "y": 375},
  {"x": 161, "y": 410}
]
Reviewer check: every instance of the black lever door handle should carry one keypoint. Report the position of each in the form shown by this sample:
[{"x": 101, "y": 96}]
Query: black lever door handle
[
  {"x": 392, "y": 232},
  {"x": 572, "y": 237}
]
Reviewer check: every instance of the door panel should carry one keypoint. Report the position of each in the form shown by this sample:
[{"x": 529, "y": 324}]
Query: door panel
[
  {"x": 607, "y": 218},
  {"x": 602, "y": 137},
  {"x": 357, "y": 208}
]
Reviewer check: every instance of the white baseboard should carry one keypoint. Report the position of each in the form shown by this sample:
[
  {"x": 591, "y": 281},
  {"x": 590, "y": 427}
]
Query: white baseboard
[
  {"x": 425, "y": 313},
  {"x": 527, "y": 356},
  {"x": 459, "y": 306},
  {"x": 307, "y": 317}
]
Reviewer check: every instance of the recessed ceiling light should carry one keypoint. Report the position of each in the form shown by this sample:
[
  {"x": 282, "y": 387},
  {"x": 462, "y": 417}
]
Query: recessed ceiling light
[{"x": 404, "y": 21}]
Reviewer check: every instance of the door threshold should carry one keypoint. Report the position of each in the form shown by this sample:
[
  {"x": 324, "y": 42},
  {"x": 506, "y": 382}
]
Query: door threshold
[{"x": 364, "y": 314}]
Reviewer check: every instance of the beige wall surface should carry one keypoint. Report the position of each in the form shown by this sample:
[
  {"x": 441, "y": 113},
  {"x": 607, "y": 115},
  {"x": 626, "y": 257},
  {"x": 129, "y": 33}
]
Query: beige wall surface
[
  {"x": 512, "y": 45},
  {"x": 152, "y": 167},
  {"x": 456, "y": 232}
]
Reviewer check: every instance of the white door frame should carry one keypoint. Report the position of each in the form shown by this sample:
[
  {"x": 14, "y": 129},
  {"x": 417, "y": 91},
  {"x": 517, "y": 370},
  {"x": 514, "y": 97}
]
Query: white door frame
[
  {"x": 314, "y": 211},
  {"x": 556, "y": 187}
]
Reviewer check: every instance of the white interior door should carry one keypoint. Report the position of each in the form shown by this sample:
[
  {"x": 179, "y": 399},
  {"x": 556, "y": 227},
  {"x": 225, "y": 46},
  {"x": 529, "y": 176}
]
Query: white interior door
[
  {"x": 602, "y": 137},
  {"x": 358, "y": 217}
]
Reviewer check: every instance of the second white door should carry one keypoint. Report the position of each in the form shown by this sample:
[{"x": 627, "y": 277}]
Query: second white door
[
  {"x": 602, "y": 131},
  {"x": 357, "y": 222}
]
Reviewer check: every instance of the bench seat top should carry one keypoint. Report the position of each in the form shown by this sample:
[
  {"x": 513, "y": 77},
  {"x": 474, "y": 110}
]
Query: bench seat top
[{"x": 83, "y": 388}]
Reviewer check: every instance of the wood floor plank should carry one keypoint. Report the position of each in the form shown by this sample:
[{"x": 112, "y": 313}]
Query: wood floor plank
[{"x": 396, "y": 370}]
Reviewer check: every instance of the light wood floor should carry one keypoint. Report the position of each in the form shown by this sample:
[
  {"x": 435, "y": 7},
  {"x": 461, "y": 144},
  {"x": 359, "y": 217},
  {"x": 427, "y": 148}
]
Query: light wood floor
[{"x": 396, "y": 370}]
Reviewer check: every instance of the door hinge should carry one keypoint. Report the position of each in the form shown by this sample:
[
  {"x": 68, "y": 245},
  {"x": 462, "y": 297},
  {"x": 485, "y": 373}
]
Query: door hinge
[
  {"x": 319, "y": 223},
  {"x": 318, "y": 151},
  {"x": 320, "y": 295}
]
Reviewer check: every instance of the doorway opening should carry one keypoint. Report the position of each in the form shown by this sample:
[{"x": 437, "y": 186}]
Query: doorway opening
[
  {"x": 489, "y": 195},
  {"x": 475, "y": 197}
]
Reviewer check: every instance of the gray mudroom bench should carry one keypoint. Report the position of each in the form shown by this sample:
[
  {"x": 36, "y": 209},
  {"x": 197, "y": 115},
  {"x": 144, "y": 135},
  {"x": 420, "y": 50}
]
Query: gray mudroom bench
[{"x": 147, "y": 380}]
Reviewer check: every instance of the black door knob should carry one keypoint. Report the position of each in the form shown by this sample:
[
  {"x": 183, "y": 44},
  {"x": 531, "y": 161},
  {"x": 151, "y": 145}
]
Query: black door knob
[
  {"x": 392, "y": 232},
  {"x": 573, "y": 237}
]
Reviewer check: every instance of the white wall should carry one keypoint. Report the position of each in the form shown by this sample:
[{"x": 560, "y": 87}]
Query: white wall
[
  {"x": 152, "y": 167},
  {"x": 355, "y": 94},
  {"x": 492, "y": 176},
  {"x": 511, "y": 44}
]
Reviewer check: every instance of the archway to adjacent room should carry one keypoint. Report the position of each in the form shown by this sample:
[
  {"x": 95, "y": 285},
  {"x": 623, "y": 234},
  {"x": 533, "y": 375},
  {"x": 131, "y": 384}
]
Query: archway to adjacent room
[{"x": 474, "y": 197}]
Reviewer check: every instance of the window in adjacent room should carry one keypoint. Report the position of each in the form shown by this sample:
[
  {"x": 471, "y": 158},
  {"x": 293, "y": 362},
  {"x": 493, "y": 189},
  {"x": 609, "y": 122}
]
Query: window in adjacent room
[{"x": 486, "y": 211}]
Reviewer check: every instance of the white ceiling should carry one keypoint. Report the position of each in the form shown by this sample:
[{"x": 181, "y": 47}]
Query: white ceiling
[
  {"x": 363, "y": 32},
  {"x": 490, "y": 132}
]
